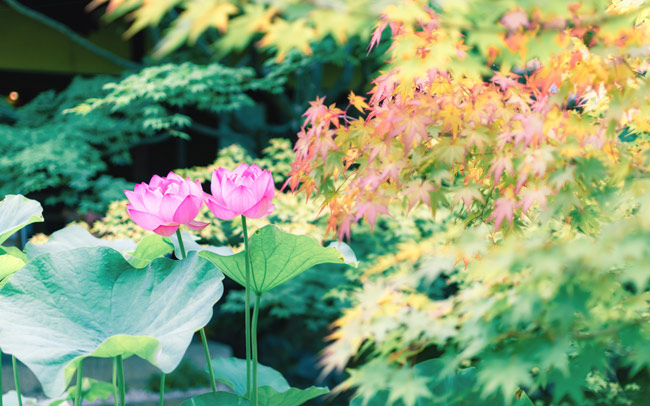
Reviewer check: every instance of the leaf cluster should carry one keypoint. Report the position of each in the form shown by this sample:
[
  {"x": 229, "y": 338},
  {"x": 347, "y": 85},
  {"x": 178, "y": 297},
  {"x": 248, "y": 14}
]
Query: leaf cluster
[{"x": 496, "y": 107}]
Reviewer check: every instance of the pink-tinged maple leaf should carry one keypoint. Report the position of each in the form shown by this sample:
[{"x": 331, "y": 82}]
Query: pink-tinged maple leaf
[
  {"x": 369, "y": 211},
  {"x": 316, "y": 110},
  {"x": 532, "y": 196},
  {"x": 467, "y": 195},
  {"x": 418, "y": 192},
  {"x": 376, "y": 35},
  {"x": 415, "y": 129},
  {"x": 515, "y": 19},
  {"x": 344, "y": 228},
  {"x": 325, "y": 143},
  {"x": 391, "y": 170},
  {"x": 504, "y": 81},
  {"x": 504, "y": 208},
  {"x": 532, "y": 130},
  {"x": 371, "y": 179},
  {"x": 384, "y": 86},
  {"x": 500, "y": 164}
]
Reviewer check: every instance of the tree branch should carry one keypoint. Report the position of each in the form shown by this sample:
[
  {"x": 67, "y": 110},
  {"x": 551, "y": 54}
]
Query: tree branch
[{"x": 63, "y": 29}]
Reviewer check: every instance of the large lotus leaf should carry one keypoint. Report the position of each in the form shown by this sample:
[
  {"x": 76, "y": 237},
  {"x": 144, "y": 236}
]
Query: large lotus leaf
[
  {"x": 293, "y": 397},
  {"x": 75, "y": 236},
  {"x": 139, "y": 255},
  {"x": 16, "y": 212},
  {"x": 217, "y": 399},
  {"x": 232, "y": 372},
  {"x": 276, "y": 257},
  {"x": 65, "y": 306}
]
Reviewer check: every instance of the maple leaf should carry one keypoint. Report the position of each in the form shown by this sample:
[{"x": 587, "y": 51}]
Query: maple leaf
[
  {"x": 414, "y": 129},
  {"x": 532, "y": 130},
  {"x": 418, "y": 191},
  {"x": 286, "y": 36},
  {"x": 499, "y": 165},
  {"x": 532, "y": 196},
  {"x": 369, "y": 211},
  {"x": 467, "y": 195},
  {"x": 504, "y": 208},
  {"x": 376, "y": 35},
  {"x": 358, "y": 102}
]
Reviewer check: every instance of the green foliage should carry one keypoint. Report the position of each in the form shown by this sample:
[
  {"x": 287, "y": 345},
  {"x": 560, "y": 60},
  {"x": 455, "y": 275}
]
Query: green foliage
[
  {"x": 281, "y": 26},
  {"x": 160, "y": 92},
  {"x": 549, "y": 310},
  {"x": 185, "y": 376},
  {"x": 37, "y": 155},
  {"x": 81, "y": 303}
]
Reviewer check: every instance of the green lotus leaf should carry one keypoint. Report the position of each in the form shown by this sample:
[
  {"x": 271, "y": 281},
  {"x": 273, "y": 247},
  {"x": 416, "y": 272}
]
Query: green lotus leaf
[
  {"x": 149, "y": 248},
  {"x": 91, "y": 390},
  {"x": 293, "y": 397},
  {"x": 139, "y": 255},
  {"x": 62, "y": 307},
  {"x": 232, "y": 372},
  {"x": 72, "y": 237},
  {"x": 276, "y": 257},
  {"x": 14, "y": 252},
  {"x": 16, "y": 212},
  {"x": 9, "y": 265},
  {"x": 217, "y": 399}
]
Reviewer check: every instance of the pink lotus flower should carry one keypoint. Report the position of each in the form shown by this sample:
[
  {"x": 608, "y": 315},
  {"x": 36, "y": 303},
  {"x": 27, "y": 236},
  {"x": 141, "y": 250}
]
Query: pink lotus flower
[
  {"x": 247, "y": 191},
  {"x": 166, "y": 203}
]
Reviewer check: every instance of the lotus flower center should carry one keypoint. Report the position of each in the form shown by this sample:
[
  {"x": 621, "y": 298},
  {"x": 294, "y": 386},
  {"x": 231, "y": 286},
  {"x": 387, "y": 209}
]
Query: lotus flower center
[{"x": 171, "y": 189}]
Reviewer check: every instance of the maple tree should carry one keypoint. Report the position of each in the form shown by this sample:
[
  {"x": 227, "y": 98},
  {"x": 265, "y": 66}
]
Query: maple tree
[
  {"x": 501, "y": 106},
  {"x": 523, "y": 126},
  {"x": 233, "y": 25}
]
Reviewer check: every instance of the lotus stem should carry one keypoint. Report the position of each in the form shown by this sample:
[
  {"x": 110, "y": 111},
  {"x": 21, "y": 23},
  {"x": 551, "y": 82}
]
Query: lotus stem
[
  {"x": 213, "y": 384},
  {"x": 162, "y": 389},
  {"x": 247, "y": 306},
  {"x": 256, "y": 311},
  {"x": 206, "y": 350},
  {"x": 77, "y": 396},
  {"x": 120, "y": 380},
  {"x": 16, "y": 381},
  {"x": 115, "y": 381},
  {"x": 180, "y": 243}
]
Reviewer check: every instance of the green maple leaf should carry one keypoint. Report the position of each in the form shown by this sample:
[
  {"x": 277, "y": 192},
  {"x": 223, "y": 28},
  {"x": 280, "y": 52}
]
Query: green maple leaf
[
  {"x": 407, "y": 386},
  {"x": 504, "y": 374}
]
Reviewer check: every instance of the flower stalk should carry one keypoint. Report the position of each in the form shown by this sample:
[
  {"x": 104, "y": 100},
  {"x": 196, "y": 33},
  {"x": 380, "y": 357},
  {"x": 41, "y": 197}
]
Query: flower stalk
[{"x": 204, "y": 340}]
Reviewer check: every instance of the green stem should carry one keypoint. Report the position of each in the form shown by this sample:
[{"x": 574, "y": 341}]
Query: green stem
[
  {"x": 256, "y": 311},
  {"x": 77, "y": 397},
  {"x": 247, "y": 307},
  {"x": 213, "y": 384},
  {"x": 206, "y": 350},
  {"x": 115, "y": 381},
  {"x": 180, "y": 244},
  {"x": 120, "y": 380},
  {"x": 162, "y": 389},
  {"x": 17, "y": 382}
]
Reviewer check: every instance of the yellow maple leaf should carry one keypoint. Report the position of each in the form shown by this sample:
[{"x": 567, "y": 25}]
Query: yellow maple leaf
[
  {"x": 288, "y": 35},
  {"x": 358, "y": 102}
]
